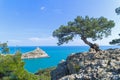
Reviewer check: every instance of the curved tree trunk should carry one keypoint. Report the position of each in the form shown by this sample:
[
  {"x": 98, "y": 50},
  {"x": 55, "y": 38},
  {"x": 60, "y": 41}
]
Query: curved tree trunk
[{"x": 93, "y": 46}]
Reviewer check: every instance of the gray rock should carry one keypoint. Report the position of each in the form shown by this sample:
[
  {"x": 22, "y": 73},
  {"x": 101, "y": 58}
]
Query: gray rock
[
  {"x": 102, "y": 65},
  {"x": 37, "y": 53},
  {"x": 60, "y": 71}
]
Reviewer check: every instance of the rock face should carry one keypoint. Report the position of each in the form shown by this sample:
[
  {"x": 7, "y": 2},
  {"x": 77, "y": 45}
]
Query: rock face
[
  {"x": 102, "y": 65},
  {"x": 37, "y": 53},
  {"x": 61, "y": 69}
]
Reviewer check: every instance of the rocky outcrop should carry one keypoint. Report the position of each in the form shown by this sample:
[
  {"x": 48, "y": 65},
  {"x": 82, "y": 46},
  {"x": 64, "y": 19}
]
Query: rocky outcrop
[
  {"x": 62, "y": 68},
  {"x": 101, "y": 65},
  {"x": 37, "y": 53}
]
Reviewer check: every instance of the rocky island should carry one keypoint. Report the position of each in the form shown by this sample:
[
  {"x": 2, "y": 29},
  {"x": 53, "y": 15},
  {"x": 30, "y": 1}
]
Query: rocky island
[
  {"x": 37, "y": 53},
  {"x": 101, "y": 65}
]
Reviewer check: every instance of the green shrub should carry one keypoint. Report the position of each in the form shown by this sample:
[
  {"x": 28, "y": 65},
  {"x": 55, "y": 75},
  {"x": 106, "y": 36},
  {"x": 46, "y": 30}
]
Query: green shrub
[
  {"x": 45, "y": 73},
  {"x": 76, "y": 67},
  {"x": 12, "y": 68}
]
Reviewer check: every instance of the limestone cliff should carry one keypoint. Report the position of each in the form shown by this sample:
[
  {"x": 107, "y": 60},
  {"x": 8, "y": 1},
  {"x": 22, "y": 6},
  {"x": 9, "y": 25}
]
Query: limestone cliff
[
  {"x": 102, "y": 65},
  {"x": 37, "y": 53}
]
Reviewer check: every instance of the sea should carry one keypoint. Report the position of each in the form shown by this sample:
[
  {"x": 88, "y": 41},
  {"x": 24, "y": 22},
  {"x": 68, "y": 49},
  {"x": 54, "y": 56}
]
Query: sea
[{"x": 56, "y": 53}]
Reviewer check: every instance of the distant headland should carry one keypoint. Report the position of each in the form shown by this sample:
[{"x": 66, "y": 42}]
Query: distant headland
[{"x": 37, "y": 53}]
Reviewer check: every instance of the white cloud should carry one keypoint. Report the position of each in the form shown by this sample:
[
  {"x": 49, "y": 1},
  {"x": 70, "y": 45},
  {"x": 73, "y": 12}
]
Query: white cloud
[
  {"x": 42, "y": 41},
  {"x": 14, "y": 41},
  {"x": 53, "y": 41},
  {"x": 42, "y": 8},
  {"x": 35, "y": 39},
  {"x": 49, "y": 41}
]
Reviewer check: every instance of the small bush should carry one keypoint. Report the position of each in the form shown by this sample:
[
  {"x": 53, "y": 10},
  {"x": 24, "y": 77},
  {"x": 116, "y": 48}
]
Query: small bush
[
  {"x": 45, "y": 73},
  {"x": 76, "y": 67}
]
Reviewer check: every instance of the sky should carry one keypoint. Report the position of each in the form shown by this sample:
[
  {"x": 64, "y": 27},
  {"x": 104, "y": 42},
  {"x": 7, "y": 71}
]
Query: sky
[{"x": 31, "y": 22}]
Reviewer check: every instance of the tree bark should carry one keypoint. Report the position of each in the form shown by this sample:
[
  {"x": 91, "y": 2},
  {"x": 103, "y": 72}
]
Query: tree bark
[{"x": 93, "y": 46}]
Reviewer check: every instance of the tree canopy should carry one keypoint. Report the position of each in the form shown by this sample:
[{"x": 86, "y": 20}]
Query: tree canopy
[
  {"x": 12, "y": 68},
  {"x": 117, "y": 10},
  {"x": 84, "y": 27},
  {"x": 116, "y": 41},
  {"x": 4, "y": 48}
]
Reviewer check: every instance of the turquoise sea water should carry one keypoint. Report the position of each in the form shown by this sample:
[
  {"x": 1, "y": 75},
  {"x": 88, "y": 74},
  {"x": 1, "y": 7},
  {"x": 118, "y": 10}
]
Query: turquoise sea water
[{"x": 56, "y": 53}]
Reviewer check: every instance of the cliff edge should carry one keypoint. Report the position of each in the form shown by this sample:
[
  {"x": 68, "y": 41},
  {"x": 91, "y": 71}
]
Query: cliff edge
[{"x": 101, "y": 65}]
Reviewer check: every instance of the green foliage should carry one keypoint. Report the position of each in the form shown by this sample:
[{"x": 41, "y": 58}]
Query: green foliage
[
  {"x": 44, "y": 74},
  {"x": 12, "y": 68},
  {"x": 94, "y": 28},
  {"x": 115, "y": 42},
  {"x": 4, "y": 48},
  {"x": 117, "y": 10},
  {"x": 77, "y": 67}
]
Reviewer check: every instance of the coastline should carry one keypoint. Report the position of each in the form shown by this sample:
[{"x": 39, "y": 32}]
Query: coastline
[{"x": 56, "y": 55}]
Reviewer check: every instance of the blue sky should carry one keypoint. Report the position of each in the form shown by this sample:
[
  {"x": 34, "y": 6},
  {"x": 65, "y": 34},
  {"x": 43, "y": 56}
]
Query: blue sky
[{"x": 31, "y": 22}]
